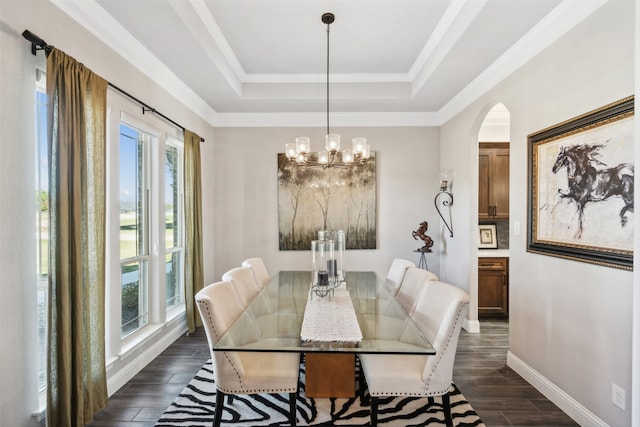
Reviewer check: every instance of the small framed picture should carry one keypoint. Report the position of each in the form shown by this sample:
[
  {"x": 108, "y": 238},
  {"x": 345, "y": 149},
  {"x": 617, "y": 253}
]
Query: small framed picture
[{"x": 488, "y": 236}]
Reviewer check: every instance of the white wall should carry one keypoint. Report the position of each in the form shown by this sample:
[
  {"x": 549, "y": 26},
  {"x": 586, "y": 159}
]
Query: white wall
[
  {"x": 635, "y": 400},
  {"x": 495, "y": 126},
  {"x": 18, "y": 357},
  {"x": 494, "y": 134},
  {"x": 570, "y": 322},
  {"x": 243, "y": 166}
]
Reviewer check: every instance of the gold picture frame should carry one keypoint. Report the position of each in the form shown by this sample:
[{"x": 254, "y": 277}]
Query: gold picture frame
[{"x": 580, "y": 187}]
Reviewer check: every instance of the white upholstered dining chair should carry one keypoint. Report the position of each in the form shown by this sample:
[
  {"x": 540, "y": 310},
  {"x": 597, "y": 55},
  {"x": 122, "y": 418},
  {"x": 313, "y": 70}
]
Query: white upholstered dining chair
[
  {"x": 412, "y": 286},
  {"x": 243, "y": 372},
  {"x": 259, "y": 269},
  {"x": 396, "y": 273},
  {"x": 242, "y": 278},
  {"x": 439, "y": 313}
]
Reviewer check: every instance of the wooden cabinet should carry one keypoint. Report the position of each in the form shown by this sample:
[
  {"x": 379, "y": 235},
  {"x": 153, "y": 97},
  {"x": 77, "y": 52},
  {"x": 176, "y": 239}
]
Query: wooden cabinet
[
  {"x": 493, "y": 176},
  {"x": 493, "y": 287}
]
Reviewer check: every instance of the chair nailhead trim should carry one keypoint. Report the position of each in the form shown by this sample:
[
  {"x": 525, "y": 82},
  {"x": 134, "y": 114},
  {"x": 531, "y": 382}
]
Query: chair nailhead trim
[
  {"x": 226, "y": 355},
  {"x": 460, "y": 309},
  {"x": 242, "y": 390},
  {"x": 257, "y": 391}
]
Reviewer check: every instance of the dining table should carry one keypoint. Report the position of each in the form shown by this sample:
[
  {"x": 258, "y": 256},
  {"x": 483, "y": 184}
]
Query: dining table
[{"x": 330, "y": 327}]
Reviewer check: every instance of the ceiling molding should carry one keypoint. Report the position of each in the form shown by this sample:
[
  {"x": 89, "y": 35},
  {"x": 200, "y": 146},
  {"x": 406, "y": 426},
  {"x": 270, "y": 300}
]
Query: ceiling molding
[
  {"x": 97, "y": 21},
  {"x": 322, "y": 78},
  {"x": 364, "y": 119},
  {"x": 196, "y": 15},
  {"x": 220, "y": 53},
  {"x": 563, "y": 18},
  {"x": 444, "y": 37}
]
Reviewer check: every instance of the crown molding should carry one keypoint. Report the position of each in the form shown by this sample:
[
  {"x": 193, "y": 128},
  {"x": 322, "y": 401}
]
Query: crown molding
[
  {"x": 362, "y": 119},
  {"x": 97, "y": 21},
  {"x": 195, "y": 14},
  {"x": 560, "y": 21},
  {"x": 443, "y": 39}
]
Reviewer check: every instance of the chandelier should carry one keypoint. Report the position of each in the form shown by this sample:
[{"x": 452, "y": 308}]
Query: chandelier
[{"x": 299, "y": 152}]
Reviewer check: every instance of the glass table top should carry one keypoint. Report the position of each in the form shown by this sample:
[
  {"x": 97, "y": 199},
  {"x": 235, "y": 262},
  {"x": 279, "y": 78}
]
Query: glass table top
[{"x": 273, "y": 320}]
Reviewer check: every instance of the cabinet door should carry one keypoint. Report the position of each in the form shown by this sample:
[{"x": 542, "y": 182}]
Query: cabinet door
[
  {"x": 500, "y": 183},
  {"x": 493, "y": 181},
  {"x": 491, "y": 294},
  {"x": 493, "y": 287},
  {"x": 484, "y": 177}
]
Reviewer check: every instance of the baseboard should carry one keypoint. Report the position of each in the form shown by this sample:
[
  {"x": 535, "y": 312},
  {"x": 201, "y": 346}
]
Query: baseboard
[
  {"x": 131, "y": 368},
  {"x": 569, "y": 405},
  {"x": 472, "y": 326}
]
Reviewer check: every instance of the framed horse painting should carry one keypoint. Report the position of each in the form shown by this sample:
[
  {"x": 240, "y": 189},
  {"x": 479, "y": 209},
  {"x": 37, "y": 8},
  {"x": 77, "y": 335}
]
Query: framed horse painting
[{"x": 581, "y": 175}]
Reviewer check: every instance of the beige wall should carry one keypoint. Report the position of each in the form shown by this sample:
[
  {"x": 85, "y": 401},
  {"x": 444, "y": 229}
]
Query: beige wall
[
  {"x": 18, "y": 357},
  {"x": 570, "y": 322},
  {"x": 243, "y": 200},
  {"x": 635, "y": 354}
]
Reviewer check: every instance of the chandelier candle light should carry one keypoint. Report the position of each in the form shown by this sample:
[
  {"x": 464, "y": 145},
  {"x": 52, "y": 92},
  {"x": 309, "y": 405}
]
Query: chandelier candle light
[{"x": 300, "y": 154}]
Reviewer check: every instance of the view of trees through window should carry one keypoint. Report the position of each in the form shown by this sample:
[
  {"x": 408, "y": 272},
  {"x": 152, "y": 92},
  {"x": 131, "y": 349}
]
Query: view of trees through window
[
  {"x": 134, "y": 227},
  {"x": 173, "y": 230},
  {"x": 42, "y": 231}
]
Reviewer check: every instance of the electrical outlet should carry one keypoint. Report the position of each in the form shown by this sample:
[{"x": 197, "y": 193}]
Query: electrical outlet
[{"x": 617, "y": 396}]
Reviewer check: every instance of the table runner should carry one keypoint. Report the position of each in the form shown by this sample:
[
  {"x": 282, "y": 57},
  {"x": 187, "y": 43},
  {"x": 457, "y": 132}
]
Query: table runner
[{"x": 330, "y": 319}]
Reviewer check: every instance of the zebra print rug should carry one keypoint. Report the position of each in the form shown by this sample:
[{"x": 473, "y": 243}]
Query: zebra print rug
[{"x": 195, "y": 407}]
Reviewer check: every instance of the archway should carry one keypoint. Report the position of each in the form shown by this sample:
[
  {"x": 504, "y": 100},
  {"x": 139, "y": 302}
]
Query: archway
[{"x": 493, "y": 214}]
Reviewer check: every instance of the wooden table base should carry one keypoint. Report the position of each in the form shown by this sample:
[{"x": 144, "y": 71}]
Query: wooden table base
[{"x": 330, "y": 375}]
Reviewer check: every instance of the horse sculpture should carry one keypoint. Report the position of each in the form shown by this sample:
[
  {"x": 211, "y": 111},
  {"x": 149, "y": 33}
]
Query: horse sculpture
[
  {"x": 590, "y": 180},
  {"x": 421, "y": 232}
]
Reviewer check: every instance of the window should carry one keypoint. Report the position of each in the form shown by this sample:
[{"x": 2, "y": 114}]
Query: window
[
  {"x": 174, "y": 230},
  {"x": 134, "y": 228},
  {"x": 42, "y": 228},
  {"x": 145, "y": 225}
]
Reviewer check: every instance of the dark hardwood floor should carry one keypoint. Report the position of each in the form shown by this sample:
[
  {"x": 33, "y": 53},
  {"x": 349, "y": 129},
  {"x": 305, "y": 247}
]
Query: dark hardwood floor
[
  {"x": 143, "y": 400},
  {"x": 497, "y": 393}
]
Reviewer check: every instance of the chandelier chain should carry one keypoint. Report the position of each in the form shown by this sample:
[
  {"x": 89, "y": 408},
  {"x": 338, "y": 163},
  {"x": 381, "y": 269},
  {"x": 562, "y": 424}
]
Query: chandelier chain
[
  {"x": 300, "y": 153},
  {"x": 328, "y": 29}
]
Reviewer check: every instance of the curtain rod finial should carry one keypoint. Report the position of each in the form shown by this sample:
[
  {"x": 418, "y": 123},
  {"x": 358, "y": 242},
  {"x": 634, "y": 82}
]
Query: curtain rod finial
[{"x": 36, "y": 42}]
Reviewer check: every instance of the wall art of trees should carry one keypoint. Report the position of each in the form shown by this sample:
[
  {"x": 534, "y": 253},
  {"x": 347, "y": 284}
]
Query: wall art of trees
[{"x": 312, "y": 199}]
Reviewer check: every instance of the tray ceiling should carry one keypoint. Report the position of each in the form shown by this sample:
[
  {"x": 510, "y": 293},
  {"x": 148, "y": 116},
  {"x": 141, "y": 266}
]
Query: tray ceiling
[{"x": 243, "y": 62}]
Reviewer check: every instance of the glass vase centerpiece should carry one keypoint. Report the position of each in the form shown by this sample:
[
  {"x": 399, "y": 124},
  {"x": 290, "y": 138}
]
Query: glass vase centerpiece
[
  {"x": 339, "y": 247},
  {"x": 328, "y": 262}
]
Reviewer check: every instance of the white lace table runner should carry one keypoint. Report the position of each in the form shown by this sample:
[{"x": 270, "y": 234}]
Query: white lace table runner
[{"x": 330, "y": 319}]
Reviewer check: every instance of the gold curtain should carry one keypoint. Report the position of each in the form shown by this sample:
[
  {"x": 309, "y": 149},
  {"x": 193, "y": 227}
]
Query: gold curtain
[
  {"x": 193, "y": 265},
  {"x": 77, "y": 386}
]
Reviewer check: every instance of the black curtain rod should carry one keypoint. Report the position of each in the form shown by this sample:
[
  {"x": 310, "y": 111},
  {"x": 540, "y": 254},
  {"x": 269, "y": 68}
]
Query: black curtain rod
[
  {"x": 38, "y": 44},
  {"x": 146, "y": 108}
]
